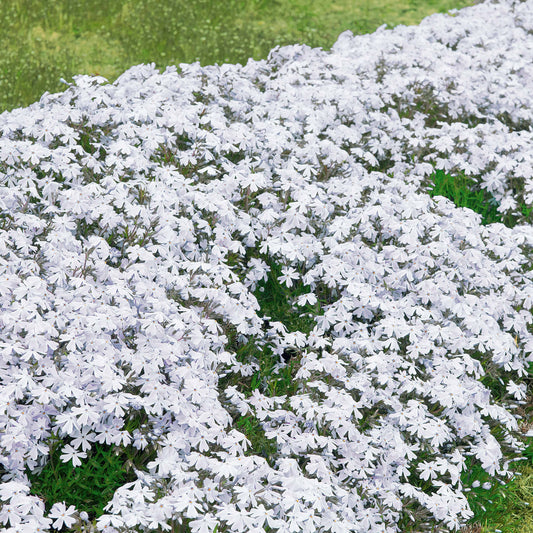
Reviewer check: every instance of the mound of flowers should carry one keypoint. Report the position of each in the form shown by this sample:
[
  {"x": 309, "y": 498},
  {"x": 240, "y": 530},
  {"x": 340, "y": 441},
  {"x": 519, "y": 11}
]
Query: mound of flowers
[{"x": 142, "y": 221}]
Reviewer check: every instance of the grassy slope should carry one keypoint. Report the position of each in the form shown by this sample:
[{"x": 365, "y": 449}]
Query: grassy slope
[{"x": 43, "y": 41}]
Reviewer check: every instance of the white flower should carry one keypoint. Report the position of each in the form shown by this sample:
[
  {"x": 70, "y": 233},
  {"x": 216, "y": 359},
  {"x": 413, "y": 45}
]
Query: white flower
[
  {"x": 308, "y": 298},
  {"x": 518, "y": 391},
  {"x": 62, "y": 515},
  {"x": 262, "y": 515},
  {"x": 70, "y": 453},
  {"x": 288, "y": 275},
  {"x": 205, "y": 524},
  {"x": 428, "y": 470}
]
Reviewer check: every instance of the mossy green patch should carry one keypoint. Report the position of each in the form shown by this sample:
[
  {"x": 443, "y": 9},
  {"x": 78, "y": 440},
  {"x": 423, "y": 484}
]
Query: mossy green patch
[
  {"x": 88, "y": 487},
  {"x": 91, "y": 485},
  {"x": 464, "y": 191}
]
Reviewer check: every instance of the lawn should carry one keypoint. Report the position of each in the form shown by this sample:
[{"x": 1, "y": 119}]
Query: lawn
[
  {"x": 181, "y": 307},
  {"x": 43, "y": 42}
]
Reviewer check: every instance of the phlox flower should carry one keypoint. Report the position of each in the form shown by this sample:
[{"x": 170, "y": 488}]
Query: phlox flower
[
  {"x": 133, "y": 287},
  {"x": 10, "y": 514},
  {"x": 288, "y": 276},
  {"x": 235, "y": 519},
  {"x": 262, "y": 516},
  {"x": 109, "y": 521},
  {"x": 518, "y": 391},
  {"x": 428, "y": 470},
  {"x": 62, "y": 515},
  {"x": 205, "y": 524},
  {"x": 69, "y": 453},
  {"x": 489, "y": 454},
  {"x": 309, "y": 298},
  {"x": 83, "y": 439}
]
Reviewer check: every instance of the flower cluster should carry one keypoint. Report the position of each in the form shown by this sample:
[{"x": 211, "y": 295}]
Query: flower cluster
[{"x": 139, "y": 218}]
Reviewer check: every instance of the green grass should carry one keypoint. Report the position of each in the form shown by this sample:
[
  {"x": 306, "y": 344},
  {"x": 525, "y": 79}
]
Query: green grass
[
  {"x": 504, "y": 507},
  {"x": 88, "y": 486},
  {"x": 44, "y": 41},
  {"x": 464, "y": 191},
  {"x": 91, "y": 485},
  {"x": 460, "y": 190}
]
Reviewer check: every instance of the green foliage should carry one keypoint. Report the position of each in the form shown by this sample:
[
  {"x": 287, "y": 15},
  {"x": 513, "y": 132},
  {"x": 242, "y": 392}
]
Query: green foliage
[
  {"x": 91, "y": 485},
  {"x": 277, "y": 301},
  {"x": 462, "y": 192},
  {"x": 525, "y": 215},
  {"x": 251, "y": 427},
  {"x": 277, "y": 304},
  {"x": 505, "y": 505},
  {"x": 482, "y": 501}
]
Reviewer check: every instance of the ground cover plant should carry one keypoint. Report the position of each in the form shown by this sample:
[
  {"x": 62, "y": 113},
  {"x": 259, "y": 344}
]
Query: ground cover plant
[{"x": 242, "y": 281}]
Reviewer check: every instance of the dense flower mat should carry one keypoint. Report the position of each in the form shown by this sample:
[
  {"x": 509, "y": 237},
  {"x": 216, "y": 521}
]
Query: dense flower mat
[{"x": 140, "y": 218}]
